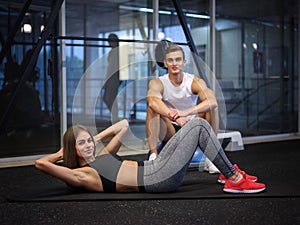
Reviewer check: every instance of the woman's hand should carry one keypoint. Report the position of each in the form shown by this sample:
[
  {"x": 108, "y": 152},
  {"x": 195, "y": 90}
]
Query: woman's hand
[{"x": 60, "y": 154}]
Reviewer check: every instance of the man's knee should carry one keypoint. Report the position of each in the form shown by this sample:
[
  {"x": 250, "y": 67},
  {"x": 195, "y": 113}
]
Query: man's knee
[{"x": 151, "y": 112}]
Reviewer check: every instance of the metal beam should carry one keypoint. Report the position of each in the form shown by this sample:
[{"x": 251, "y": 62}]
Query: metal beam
[
  {"x": 212, "y": 49},
  {"x": 155, "y": 19},
  {"x": 63, "y": 72},
  {"x": 298, "y": 69},
  {"x": 190, "y": 40}
]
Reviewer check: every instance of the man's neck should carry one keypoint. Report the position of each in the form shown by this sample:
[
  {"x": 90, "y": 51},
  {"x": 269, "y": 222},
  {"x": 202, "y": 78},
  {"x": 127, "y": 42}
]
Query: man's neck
[{"x": 176, "y": 78}]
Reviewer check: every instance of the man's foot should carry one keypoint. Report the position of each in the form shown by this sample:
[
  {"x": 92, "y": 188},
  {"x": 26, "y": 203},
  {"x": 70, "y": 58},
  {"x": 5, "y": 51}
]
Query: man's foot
[
  {"x": 210, "y": 167},
  {"x": 243, "y": 186},
  {"x": 222, "y": 179},
  {"x": 152, "y": 156}
]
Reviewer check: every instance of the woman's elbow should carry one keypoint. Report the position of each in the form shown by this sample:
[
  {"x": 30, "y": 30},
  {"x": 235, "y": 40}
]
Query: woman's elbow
[
  {"x": 39, "y": 164},
  {"x": 125, "y": 124}
]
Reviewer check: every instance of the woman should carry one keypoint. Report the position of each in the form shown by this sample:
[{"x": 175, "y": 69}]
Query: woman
[{"x": 108, "y": 173}]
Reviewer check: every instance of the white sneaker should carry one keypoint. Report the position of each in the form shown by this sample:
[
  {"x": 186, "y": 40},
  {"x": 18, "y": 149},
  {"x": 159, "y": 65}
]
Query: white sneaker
[
  {"x": 210, "y": 167},
  {"x": 153, "y": 156}
]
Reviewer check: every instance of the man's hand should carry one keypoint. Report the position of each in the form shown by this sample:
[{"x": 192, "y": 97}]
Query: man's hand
[
  {"x": 173, "y": 114},
  {"x": 180, "y": 117},
  {"x": 181, "y": 121},
  {"x": 183, "y": 113}
]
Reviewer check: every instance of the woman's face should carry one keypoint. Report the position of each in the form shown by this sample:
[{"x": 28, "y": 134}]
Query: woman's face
[{"x": 85, "y": 145}]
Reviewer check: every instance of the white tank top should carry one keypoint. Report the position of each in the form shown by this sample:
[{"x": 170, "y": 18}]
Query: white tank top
[{"x": 180, "y": 97}]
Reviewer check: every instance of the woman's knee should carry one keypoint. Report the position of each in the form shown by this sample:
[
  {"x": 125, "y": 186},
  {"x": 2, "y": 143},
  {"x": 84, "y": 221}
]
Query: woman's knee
[{"x": 200, "y": 121}]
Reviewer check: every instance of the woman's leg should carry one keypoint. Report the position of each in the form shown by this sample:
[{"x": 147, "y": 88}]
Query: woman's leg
[{"x": 167, "y": 171}]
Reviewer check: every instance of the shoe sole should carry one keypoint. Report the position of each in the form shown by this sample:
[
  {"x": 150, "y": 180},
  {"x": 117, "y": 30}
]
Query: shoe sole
[
  {"x": 221, "y": 181},
  {"x": 243, "y": 191}
]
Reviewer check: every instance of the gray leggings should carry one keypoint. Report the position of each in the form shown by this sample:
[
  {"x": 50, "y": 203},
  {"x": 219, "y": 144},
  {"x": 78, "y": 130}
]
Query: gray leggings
[{"x": 166, "y": 172}]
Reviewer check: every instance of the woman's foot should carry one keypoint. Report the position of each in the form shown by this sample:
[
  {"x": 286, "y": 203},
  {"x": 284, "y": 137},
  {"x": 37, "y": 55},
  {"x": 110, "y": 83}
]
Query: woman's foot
[
  {"x": 222, "y": 179},
  {"x": 243, "y": 186}
]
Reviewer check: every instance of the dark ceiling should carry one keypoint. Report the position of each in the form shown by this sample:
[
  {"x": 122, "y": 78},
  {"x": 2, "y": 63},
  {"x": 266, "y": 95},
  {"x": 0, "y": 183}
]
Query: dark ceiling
[{"x": 102, "y": 13}]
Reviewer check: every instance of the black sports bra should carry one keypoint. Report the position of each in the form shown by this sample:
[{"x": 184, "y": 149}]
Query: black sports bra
[{"x": 108, "y": 167}]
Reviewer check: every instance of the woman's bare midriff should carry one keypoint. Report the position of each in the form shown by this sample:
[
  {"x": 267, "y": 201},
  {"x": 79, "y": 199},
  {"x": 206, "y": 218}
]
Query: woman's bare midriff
[{"x": 127, "y": 177}]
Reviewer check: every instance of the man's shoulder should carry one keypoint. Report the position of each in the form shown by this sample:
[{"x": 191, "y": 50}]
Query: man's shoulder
[
  {"x": 165, "y": 76},
  {"x": 197, "y": 78},
  {"x": 190, "y": 77},
  {"x": 155, "y": 80},
  {"x": 156, "y": 84},
  {"x": 161, "y": 80}
]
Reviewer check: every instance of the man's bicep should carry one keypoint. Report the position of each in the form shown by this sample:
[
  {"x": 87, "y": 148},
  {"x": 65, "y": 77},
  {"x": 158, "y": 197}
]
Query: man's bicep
[
  {"x": 205, "y": 93},
  {"x": 199, "y": 88},
  {"x": 154, "y": 89}
]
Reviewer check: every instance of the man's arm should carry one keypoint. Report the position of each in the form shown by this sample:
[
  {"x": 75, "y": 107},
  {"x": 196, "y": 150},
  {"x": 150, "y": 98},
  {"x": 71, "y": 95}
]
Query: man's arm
[
  {"x": 212, "y": 116},
  {"x": 154, "y": 98},
  {"x": 208, "y": 104},
  {"x": 206, "y": 95},
  {"x": 156, "y": 110}
]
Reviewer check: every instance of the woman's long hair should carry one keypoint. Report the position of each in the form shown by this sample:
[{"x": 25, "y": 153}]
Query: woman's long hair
[{"x": 69, "y": 145}]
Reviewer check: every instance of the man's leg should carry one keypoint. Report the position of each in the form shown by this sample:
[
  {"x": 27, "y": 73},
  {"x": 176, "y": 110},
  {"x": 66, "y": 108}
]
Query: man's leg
[{"x": 157, "y": 127}]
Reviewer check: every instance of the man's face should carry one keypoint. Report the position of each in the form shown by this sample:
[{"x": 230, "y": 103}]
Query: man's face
[{"x": 174, "y": 62}]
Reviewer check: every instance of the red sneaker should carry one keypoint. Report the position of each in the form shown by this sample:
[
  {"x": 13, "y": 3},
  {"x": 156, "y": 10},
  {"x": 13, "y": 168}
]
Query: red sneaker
[
  {"x": 243, "y": 186},
  {"x": 222, "y": 179}
]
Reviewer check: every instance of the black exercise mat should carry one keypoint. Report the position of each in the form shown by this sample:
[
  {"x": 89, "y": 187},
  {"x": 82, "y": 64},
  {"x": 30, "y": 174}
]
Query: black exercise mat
[{"x": 274, "y": 163}]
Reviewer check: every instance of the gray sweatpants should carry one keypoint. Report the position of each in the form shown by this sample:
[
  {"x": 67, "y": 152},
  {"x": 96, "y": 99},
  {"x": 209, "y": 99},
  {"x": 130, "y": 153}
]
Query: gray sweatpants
[{"x": 166, "y": 172}]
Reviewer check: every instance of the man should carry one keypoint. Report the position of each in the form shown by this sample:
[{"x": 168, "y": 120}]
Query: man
[
  {"x": 173, "y": 101},
  {"x": 111, "y": 86}
]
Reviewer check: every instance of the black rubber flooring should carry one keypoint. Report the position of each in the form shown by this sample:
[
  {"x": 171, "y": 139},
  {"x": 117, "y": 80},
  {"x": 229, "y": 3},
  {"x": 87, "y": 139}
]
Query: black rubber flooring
[{"x": 276, "y": 164}]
